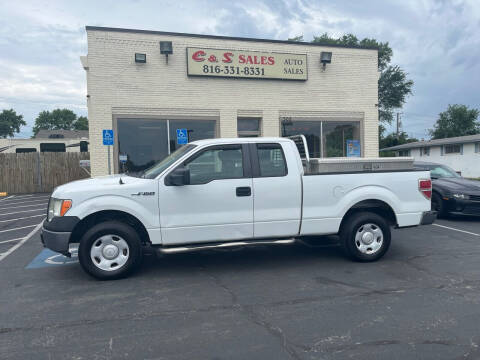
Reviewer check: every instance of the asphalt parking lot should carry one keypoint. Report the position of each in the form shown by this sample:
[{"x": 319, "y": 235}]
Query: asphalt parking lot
[{"x": 269, "y": 302}]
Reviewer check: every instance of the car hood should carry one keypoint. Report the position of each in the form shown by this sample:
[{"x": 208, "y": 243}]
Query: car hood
[
  {"x": 101, "y": 184},
  {"x": 458, "y": 184}
]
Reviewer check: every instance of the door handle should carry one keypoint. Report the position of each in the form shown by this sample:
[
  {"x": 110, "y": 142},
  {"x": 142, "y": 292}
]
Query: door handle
[{"x": 244, "y": 191}]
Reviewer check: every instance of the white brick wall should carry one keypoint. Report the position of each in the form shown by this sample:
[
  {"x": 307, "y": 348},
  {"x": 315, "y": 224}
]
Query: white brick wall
[
  {"x": 467, "y": 162},
  {"x": 118, "y": 86}
]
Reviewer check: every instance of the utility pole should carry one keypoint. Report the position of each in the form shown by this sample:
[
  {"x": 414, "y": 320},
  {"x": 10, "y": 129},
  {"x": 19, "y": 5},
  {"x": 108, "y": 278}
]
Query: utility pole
[{"x": 399, "y": 125}]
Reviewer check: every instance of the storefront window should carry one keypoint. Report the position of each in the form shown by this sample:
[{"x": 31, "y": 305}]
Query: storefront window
[
  {"x": 335, "y": 137},
  {"x": 324, "y": 138},
  {"x": 248, "y": 127},
  {"x": 196, "y": 130},
  {"x": 143, "y": 142}
]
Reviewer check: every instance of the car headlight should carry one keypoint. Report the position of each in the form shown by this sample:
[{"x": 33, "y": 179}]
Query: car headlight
[
  {"x": 461, "y": 196},
  {"x": 58, "y": 207}
]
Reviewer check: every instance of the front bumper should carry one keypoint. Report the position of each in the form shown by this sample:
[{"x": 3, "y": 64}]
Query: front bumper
[
  {"x": 428, "y": 217},
  {"x": 56, "y": 234},
  {"x": 56, "y": 241},
  {"x": 464, "y": 207}
]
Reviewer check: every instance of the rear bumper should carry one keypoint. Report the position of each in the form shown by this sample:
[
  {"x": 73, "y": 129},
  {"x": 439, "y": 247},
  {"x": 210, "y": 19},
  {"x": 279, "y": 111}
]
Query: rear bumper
[{"x": 428, "y": 217}]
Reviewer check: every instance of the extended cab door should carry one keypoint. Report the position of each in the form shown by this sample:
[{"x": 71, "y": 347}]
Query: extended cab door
[
  {"x": 277, "y": 186},
  {"x": 217, "y": 205}
]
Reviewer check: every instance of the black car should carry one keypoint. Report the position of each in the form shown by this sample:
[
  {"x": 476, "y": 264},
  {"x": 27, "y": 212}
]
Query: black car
[{"x": 451, "y": 192}]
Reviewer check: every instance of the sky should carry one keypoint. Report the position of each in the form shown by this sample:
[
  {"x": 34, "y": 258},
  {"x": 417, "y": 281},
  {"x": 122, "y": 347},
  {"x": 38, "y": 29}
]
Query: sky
[{"x": 437, "y": 42}]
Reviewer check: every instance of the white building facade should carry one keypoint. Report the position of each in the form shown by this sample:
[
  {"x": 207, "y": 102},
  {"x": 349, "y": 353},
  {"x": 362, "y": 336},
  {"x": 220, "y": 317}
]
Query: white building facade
[
  {"x": 460, "y": 153},
  {"x": 211, "y": 86}
]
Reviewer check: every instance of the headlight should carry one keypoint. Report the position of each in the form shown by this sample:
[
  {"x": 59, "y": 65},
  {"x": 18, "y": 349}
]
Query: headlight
[
  {"x": 461, "y": 196},
  {"x": 58, "y": 207}
]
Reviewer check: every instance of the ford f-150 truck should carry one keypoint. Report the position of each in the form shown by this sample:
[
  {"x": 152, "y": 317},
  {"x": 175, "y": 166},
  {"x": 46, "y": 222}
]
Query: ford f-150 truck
[{"x": 232, "y": 192}]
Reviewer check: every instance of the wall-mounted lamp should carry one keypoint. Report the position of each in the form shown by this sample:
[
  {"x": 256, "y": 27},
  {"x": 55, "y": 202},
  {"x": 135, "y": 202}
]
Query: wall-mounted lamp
[
  {"x": 325, "y": 58},
  {"x": 140, "y": 58},
  {"x": 166, "y": 48}
]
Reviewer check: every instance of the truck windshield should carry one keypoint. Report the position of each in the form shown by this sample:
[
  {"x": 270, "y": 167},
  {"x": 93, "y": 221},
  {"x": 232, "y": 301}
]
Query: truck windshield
[{"x": 155, "y": 170}]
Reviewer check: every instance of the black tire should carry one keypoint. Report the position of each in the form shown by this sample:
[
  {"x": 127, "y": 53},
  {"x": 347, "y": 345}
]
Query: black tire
[
  {"x": 118, "y": 230},
  {"x": 354, "y": 224},
  {"x": 438, "y": 205}
]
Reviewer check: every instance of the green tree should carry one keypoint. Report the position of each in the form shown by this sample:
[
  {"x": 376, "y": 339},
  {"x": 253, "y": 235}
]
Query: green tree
[
  {"x": 457, "y": 120},
  {"x": 10, "y": 123},
  {"x": 393, "y": 85},
  {"x": 298, "y": 38},
  {"x": 59, "y": 119},
  {"x": 81, "y": 123},
  {"x": 394, "y": 140}
]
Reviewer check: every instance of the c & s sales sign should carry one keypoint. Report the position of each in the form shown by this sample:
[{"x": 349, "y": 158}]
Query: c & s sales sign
[{"x": 246, "y": 64}]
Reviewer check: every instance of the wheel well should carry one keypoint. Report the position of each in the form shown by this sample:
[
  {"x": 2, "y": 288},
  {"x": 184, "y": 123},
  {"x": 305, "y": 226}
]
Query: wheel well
[
  {"x": 378, "y": 207},
  {"x": 107, "y": 215}
]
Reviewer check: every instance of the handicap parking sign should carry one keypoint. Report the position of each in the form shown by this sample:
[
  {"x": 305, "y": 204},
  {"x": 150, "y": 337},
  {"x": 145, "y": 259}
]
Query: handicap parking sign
[
  {"x": 182, "y": 136},
  {"x": 107, "y": 137}
]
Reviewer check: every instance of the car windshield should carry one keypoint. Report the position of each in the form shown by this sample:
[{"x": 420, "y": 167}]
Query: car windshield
[
  {"x": 155, "y": 170},
  {"x": 442, "y": 171}
]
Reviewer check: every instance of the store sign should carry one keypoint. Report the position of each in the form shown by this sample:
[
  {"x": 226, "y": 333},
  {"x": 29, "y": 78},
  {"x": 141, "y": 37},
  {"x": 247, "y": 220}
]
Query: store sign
[{"x": 246, "y": 64}]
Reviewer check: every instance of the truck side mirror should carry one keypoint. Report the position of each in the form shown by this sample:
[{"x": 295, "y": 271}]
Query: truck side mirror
[{"x": 178, "y": 177}]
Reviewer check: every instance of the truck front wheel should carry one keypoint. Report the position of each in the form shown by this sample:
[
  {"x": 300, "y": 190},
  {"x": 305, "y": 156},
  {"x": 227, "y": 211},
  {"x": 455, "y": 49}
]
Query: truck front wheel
[
  {"x": 110, "y": 250},
  {"x": 365, "y": 236}
]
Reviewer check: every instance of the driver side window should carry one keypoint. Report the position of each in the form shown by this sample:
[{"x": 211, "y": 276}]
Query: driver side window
[{"x": 220, "y": 162}]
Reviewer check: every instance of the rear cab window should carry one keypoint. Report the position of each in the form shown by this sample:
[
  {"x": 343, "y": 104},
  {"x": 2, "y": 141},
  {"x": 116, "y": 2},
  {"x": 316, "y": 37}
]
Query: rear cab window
[{"x": 271, "y": 160}]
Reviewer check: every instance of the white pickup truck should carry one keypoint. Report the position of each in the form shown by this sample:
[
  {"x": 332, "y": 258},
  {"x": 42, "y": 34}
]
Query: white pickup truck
[{"x": 232, "y": 192}]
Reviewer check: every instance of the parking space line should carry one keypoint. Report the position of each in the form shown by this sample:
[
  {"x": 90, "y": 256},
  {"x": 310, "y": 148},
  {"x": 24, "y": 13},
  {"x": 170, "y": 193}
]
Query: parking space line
[
  {"x": 22, "y": 206},
  {"x": 18, "y": 228},
  {"x": 20, "y": 243},
  {"x": 23, "y": 211},
  {"x": 25, "y": 202},
  {"x": 22, "y": 218},
  {"x": 7, "y": 241},
  {"x": 22, "y": 196},
  {"x": 451, "y": 228}
]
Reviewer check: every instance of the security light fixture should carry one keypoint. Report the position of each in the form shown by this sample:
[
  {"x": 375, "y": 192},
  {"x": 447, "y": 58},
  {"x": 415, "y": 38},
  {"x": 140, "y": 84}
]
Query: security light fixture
[
  {"x": 140, "y": 58},
  {"x": 166, "y": 48},
  {"x": 325, "y": 58}
]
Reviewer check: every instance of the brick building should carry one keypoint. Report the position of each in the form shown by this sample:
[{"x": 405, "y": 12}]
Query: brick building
[{"x": 146, "y": 85}]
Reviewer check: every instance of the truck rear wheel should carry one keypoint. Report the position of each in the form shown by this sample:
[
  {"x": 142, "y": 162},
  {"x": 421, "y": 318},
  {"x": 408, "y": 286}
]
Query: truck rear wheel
[
  {"x": 365, "y": 236},
  {"x": 110, "y": 250}
]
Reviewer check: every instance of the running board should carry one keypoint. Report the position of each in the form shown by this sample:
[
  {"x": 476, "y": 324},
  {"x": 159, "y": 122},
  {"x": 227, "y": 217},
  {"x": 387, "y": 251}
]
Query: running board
[{"x": 178, "y": 249}]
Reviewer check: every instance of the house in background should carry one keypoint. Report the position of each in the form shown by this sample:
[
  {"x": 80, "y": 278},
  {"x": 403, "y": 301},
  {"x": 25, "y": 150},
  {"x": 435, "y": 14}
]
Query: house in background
[
  {"x": 461, "y": 153},
  {"x": 48, "y": 141}
]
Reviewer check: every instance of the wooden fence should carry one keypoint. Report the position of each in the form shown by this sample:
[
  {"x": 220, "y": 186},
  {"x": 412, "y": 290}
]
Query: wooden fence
[{"x": 39, "y": 172}]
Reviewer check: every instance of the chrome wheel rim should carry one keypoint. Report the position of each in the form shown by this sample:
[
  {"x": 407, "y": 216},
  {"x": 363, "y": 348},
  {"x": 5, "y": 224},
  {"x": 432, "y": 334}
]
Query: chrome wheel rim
[
  {"x": 369, "y": 238},
  {"x": 109, "y": 252}
]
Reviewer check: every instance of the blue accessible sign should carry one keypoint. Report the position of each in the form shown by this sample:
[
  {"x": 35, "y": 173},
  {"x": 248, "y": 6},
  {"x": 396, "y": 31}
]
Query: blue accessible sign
[
  {"x": 182, "y": 136},
  {"x": 107, "y": 137},
  {"x": 353, "y": 148}
]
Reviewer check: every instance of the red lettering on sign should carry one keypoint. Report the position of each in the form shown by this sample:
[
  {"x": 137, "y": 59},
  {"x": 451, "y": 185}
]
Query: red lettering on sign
[
  {"x": 227, "y": 57},
  {"x": 241, "y": 59},
  {"x": 271, "y": 60},
  {"x": 249, "y": 59},
  {"x": 198, "y": 55},
  {"x": 263, "y": 60},
  {"x": 212, "y": 58}
]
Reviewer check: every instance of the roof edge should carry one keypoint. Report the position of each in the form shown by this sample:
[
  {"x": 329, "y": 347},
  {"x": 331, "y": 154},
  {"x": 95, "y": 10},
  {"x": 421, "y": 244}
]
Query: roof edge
[
  {"x": 220, "y": 37},
  {"x": 429, "y": 143}
]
